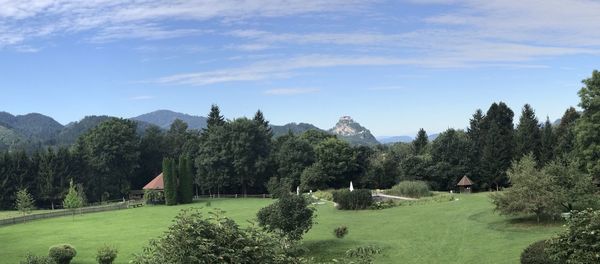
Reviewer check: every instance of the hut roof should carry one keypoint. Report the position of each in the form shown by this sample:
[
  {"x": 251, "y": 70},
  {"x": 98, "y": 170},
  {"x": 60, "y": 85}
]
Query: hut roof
[
  {"x": 465, "y": 181},
  {"x": 156, "y": 184}
]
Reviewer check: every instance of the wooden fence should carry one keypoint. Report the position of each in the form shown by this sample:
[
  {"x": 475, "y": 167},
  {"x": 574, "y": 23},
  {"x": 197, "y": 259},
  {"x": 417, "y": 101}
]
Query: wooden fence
[
  {"x": 84, "y": 210},
  {"x": 200, "y": 197}
]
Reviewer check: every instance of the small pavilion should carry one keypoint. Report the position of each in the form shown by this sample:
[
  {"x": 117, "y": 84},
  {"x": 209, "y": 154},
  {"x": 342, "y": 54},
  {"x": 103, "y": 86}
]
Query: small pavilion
[{"x": 465, "y": 184}]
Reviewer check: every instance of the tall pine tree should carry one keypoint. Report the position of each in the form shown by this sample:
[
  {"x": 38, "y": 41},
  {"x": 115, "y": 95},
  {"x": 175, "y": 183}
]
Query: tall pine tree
[
  {"x": 587, "y": 130},
  {"x": 547, "y": 143},
  {"x": 420, "y": 143},
  {"x": 565, "y": 134},
  {"x": 214, "y": 117},
  {"x": 476, "y": 140},
  {"x": 527, "y": 136},
  {"x": 498, "y": 145}
]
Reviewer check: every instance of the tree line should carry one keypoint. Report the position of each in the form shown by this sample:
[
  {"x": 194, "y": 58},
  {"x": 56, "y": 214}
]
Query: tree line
[{"x": 242, "y": 156}]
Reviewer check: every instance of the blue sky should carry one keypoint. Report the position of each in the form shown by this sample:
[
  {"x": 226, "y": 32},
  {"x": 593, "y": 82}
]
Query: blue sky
[{"x": 394, "y": 66}]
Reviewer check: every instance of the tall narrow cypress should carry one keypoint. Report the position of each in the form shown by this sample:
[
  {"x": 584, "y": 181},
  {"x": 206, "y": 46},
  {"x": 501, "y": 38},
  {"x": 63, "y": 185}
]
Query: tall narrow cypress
[
  {"x": 185, "y": 189},
  {"x": 169, "y": 179}
]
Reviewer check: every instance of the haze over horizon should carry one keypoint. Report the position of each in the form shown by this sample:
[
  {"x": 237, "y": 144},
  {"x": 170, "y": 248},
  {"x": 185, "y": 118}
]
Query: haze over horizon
[{"x": 394, "y": 66}]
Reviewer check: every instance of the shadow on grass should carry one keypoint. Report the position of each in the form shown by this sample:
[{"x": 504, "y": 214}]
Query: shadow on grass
[
  {"x": 326, "y": 250},
  {"x": 514, "y": 223}
]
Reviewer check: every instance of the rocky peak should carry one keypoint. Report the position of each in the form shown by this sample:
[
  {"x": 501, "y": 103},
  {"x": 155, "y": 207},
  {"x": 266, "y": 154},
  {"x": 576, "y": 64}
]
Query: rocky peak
[{"x": 347, "y": 128}]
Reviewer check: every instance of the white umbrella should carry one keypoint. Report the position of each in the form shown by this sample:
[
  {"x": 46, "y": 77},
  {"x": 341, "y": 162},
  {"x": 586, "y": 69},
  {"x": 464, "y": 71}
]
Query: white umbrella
[{"x": 351, "y": 187}]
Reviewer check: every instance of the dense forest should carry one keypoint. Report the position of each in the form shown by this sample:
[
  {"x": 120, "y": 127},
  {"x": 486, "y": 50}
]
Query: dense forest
[{"x": 241, "y": 156}]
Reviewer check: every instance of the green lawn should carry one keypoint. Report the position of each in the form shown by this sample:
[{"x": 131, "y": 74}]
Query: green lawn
[{"x": 463, "y": 231}]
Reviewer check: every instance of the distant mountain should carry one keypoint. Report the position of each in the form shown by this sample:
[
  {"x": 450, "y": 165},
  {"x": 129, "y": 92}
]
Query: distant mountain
[
  {"x": 32, "y": 126},
  {"x": 351, "y": 131},
  {"x": 164, "y": 119},
  {"x": 296, "y": 128},
  {"x": 73, "y": 130},
  {"x": 394, "y": 139}
]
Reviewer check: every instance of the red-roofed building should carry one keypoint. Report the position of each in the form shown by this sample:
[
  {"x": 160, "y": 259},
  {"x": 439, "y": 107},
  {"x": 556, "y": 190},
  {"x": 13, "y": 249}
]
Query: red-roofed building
[{"x": 156, "y": 184}]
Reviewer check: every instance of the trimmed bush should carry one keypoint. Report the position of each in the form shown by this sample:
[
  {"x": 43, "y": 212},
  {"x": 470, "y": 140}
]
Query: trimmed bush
[
  {"x": 341, "y": 231},
  {"x": 106, "y": 255},
  {"x": 413, "y": 189},
  {"x": 536, "y": 254},
  {"x": 32, "y": 259},
  {"x": 355, "y": 200},
  {"x": 62, "y": 254},
  {"x": 324, "y": 195}
]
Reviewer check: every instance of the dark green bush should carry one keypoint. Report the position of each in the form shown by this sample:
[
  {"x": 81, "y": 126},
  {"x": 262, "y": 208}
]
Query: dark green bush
[
  {"x": 413, "y": 189},
  {"x": 106, "y": 255},
  {"x": 32, "y": 259},
  {"x": 62, "y": 254},
  {"x": 579, "y": 244},
  {"x": 363, "y": 254},
  {"x": 196, "y": 239},
  {"x": 290, "y": 217},
  {"x": 355, "y": 200},
  {"x": 340, "y": 231},
  {"x": 536, "y": 254}
]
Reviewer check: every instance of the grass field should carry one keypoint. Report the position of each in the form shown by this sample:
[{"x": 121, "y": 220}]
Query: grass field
[
  {"x": 463, "y": 231},
  {"x": 11, "y": 214}
]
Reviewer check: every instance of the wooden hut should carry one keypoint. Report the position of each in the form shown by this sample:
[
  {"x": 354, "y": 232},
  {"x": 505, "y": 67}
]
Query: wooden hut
[{"x": 464, "y": 185}]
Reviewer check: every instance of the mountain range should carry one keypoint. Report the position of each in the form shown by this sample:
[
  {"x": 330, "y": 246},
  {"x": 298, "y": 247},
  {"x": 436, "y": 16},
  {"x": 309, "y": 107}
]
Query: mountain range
[{"x": 35, "y": 130}]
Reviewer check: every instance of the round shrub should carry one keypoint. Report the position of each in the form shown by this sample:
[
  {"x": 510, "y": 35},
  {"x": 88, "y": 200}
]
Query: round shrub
[
  {"x": 413, "y": 189},
  {"x": 355, "y": 200},
  {"x": 340, "y": 231},
  {"x": 62, "y": 254},
  {"x": 106, "y": 255},
  {"x": 536, "y": 254}
]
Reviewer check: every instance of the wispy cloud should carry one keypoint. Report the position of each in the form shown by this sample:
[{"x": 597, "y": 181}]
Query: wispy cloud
[
  {"x": 276, "y": 68},
  {"x": 28, "y": 19},
  {"x": 291, "y": 91}
]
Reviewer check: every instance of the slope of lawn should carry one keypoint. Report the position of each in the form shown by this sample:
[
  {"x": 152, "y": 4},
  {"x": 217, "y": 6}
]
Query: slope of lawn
[{"x": 463, "y": 231}]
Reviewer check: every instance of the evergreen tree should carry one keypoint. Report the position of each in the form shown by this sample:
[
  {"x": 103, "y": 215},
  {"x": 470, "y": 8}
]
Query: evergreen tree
[
  {"x": 498, "y": 145},
  {"x": 186, "y": 184},
  {"x": 177, "y": 137},
  {"x": 527, "y": 135},
  {"x": 153, "y": 148},
  {"x": 420, "y": 143},
  {"x": 548, "y": 143},
  {"x": 72, "y": 200},
  {"x": 450, "y": 150},
  {"x": 170, "y": 181},
  {"x": 565, "y": 133},
  {"x": 24, "y": 202},
  {"x": 214, "y": 117},
  {"x": 476, "y": 139},
  {"x": 587, "y": 127},
  {"x": 264, "y": 124}
]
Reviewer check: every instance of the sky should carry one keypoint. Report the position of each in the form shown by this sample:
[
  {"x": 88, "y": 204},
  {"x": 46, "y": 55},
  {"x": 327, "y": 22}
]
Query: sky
[{"x": 394, "y": 66}]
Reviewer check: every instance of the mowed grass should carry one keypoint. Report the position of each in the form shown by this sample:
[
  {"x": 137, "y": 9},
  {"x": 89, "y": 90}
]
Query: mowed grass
[{"x": 463, "y": 231}]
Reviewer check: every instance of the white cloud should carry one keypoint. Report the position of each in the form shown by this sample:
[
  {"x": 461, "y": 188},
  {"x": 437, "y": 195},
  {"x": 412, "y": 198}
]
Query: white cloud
[
  {"x": 276, "y": 68},
  {"x": 291, "y": 91},
  {"x": 28, "y": 19}
]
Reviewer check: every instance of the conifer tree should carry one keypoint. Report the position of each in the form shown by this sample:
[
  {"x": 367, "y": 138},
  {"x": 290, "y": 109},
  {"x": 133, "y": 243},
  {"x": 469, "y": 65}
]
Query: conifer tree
[
  {"x": 587, "y": 130},
  {"x": 170, "y": 181},
  {"x": 565, "y": 134},
  {"x": 214, "y": 117},
  {"x": 420, "y": 143},
  {"x": 548, "y": 143},
  {"x": 527, "y": 135},
  {"x": 476, "y": 139},
  {"x": 497, "y": 127},
  {"x": 186, "y": 183},
  {"x": 24, "y": 202}
]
